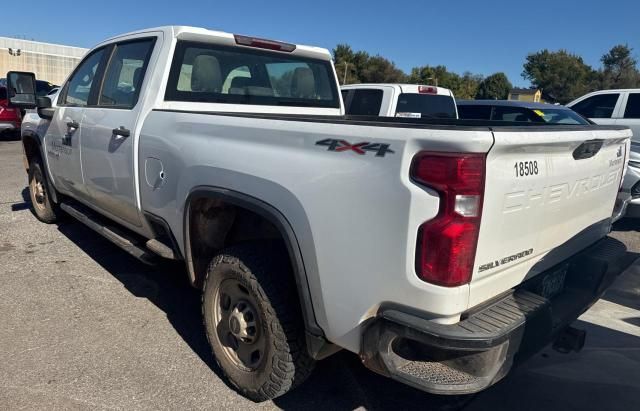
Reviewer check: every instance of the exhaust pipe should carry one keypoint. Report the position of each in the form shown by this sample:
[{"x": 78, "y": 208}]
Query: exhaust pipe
[{"x": 571, "y": 339}]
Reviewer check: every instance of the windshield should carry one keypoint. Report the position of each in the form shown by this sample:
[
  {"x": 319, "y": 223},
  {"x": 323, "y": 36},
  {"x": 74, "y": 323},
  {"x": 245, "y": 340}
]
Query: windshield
[
  {"x": 219, "y": 74},
  {"x": 425, "y": 106}
]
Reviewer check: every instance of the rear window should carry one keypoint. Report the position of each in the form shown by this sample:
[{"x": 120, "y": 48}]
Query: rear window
[
  {"x": 559, "y": 116},
  {"x": 426, "y": 106},
  {"x": 220, "y": 74}
]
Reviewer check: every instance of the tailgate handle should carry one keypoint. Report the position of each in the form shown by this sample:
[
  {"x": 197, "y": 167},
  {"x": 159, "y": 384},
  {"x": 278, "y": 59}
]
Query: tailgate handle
[{"x": 587, "y": 149}]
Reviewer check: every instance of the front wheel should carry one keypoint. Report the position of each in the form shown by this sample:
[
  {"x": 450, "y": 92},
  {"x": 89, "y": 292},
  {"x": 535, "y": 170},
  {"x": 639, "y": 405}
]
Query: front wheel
[
  {"x": 43, "y": 206},
  {"x": 253, "y": 321}
]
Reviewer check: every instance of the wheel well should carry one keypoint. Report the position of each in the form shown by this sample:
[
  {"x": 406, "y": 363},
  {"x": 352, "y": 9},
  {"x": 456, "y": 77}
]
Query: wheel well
[
  {"x": 31, "y": 149},
  {"x": 215, "y": 224}
]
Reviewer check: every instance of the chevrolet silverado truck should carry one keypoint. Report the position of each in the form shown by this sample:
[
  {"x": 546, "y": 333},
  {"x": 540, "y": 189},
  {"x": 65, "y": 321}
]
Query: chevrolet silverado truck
[{"x": 441, "y": 251}]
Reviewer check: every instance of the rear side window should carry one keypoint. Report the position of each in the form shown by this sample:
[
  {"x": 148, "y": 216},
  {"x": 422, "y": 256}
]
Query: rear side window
[
  {"x": 474, "y": 112},
  {"x": 365, "y": 102},
  {"x": 237, "y": 75},
  {"x": 426, "y": 106},
  {"x": 633, "y": 106},
  {"x": 598, "y": 106},
  {"x": 125, "y": 73}
]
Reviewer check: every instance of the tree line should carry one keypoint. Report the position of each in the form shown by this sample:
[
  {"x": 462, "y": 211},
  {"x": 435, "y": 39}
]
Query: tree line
[{"x": 561, "y": 75}]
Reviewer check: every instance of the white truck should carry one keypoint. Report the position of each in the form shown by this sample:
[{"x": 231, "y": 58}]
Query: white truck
[
  {"x": 441, "y": 251},
  {"x": 399, "y": 100},
  {"x": 618, "y": 107}
]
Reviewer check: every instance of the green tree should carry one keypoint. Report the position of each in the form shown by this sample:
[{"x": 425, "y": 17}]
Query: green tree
[
  {"x": 380, "y": 70},
  {"x": 562, "y": 75},
  {"x": 494, "y": 87},
  {"x": 619, "y": 68},
  {"x": 468, "y": 87}
]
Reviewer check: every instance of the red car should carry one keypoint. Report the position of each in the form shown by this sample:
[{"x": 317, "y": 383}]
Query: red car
[{"x": 10, "y": 118}]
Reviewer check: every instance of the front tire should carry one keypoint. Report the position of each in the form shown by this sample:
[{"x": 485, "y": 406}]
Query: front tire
[
  {"x": 43, "y": 206},
  {"x": 253, "y": 321}
]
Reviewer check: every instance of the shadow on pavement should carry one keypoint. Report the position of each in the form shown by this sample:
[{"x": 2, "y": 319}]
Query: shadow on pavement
[{"x": 627, "y": 224}]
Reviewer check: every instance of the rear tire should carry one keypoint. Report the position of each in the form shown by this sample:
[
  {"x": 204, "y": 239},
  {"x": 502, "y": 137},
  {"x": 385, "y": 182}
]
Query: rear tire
[
  {"x": 43, "y": 206},
  {"x": 253, "y": 321}
]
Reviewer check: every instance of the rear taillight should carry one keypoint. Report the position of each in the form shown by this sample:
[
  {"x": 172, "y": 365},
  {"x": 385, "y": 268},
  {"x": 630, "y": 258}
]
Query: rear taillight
[
  {"x": 427, "y": 90},
  {"x": 446, "y": 245},
  {"x": 264, "y": 43}
]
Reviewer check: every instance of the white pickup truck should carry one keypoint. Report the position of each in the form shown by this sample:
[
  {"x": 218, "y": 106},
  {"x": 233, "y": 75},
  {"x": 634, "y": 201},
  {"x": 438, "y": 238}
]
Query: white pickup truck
[
  {"x": 441, "y": 251},
  {"x": 399, "y": 100}
]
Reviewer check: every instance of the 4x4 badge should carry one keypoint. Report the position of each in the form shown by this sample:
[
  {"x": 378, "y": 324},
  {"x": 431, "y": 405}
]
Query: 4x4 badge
[{"x": 359, "y": 148}]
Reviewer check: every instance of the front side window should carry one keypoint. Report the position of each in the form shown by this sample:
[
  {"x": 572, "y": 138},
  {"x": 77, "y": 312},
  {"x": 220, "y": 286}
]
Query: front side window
[
  {"x": 633, "y": 106},
  {"x": 598, "y": 106},
  {"x": 125, "y": 73},
  {"x": 79, "y": 85},
  {"x": 237, "y": 75},
  {"x": 365, "y": 102}
]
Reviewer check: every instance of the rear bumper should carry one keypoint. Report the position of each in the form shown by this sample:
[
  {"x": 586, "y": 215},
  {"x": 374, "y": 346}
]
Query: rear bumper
[
  {"x": 479, "y": 350},
  {"x": 8, "y": 126}
]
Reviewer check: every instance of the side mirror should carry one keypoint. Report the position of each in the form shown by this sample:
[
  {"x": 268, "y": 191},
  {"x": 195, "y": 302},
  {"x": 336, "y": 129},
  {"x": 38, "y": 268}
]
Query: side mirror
[
  {"x": 21, "y": 89},
  {"x": 44, "y": 108}
]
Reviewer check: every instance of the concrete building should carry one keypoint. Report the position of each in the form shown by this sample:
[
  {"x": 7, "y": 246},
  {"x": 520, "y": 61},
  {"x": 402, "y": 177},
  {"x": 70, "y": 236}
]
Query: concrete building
[{"x": 50, "y": 62}]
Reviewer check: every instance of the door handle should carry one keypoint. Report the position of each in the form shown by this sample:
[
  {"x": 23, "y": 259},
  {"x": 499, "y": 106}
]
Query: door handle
[
  {"x": 121, "y": 131},
  {"x": 72, "y": 126}
]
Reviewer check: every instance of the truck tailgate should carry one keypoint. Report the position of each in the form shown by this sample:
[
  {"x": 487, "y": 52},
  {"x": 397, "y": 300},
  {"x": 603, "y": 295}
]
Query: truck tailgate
[{"x": 549, "y": 193}]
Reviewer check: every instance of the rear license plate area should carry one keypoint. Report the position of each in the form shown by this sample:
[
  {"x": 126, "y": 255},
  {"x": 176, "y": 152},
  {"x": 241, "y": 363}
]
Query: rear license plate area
[{"x": 551, "y": 283}]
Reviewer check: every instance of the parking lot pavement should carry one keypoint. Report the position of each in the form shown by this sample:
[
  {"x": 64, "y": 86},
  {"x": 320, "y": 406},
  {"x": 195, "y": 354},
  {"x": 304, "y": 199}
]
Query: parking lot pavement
[{"x": 84, "y": 326}]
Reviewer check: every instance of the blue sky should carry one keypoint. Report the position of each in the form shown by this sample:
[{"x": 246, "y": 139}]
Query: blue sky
[{"x": 479, "y": 36}]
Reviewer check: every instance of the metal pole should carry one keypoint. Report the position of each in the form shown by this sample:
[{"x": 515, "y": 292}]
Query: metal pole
[{"x": 344, "y": 80}]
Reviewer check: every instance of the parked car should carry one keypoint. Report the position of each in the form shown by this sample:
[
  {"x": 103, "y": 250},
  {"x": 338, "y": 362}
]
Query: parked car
[
  {"x": 436, "y": 249},
  {"x": 510, "y": 110},
  {"x": 618, "y": 107},
  {"x": 10, "y": 117},
  {"x": 399, "y": 100}
]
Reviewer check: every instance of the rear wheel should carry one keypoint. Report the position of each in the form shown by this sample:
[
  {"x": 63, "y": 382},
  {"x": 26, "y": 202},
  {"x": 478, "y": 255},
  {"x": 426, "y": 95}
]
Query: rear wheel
[
  {"x": 43, "y": 206},
  {"x": 253, "y": 321}
]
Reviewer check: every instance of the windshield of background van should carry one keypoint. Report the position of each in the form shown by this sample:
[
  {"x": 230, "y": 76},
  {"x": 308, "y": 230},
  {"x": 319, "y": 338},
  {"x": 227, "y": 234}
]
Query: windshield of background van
[{"x": 219, "y": 74}]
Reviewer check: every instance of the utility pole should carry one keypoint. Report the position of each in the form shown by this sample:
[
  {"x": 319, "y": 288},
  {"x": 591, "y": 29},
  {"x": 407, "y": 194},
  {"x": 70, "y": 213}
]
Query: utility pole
[{"x": 344, "y": 80}]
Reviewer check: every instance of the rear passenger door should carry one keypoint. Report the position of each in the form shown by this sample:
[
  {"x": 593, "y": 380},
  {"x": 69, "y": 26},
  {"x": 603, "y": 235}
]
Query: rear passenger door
[{"x": 108, "y": 143}]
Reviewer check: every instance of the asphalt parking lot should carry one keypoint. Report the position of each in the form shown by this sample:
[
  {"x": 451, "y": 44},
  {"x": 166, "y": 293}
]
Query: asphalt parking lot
[{"x": 85, "y": 326}]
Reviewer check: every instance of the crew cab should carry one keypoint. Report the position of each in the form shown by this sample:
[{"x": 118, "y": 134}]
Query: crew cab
[
  {"x": 618, "y": 107},
  {"x": 439, "y": 250},
  {"x": 399, "y": 100}
]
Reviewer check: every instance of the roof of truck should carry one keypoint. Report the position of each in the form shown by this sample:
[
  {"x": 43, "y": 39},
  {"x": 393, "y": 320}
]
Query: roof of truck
[
  {"x": 202, "y": 34},
  {"x": 404, "y": 87}
]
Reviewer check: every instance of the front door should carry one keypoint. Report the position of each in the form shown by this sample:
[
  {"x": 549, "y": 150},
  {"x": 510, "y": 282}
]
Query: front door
[
  {"x": 62, "y": 139},
  {"x": 108, "y": 128}
]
